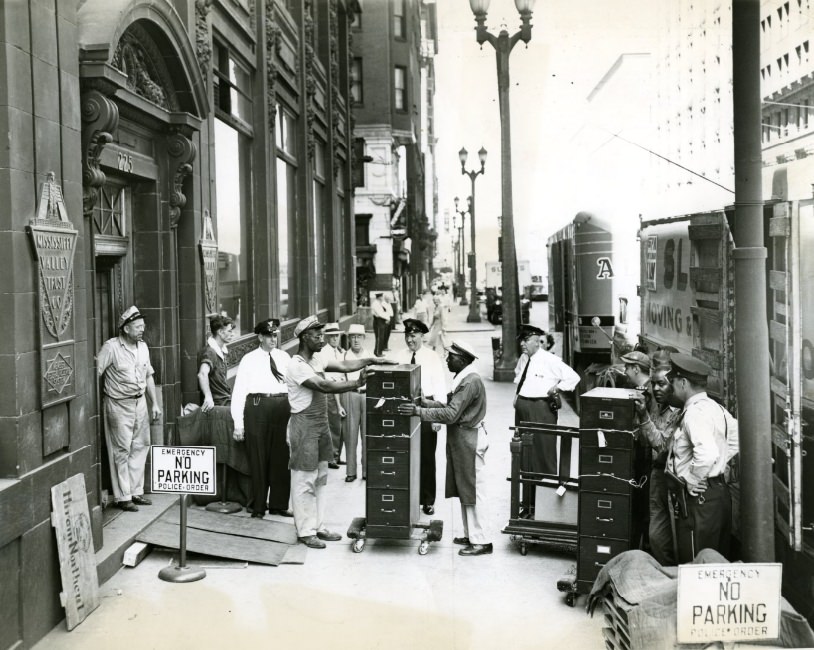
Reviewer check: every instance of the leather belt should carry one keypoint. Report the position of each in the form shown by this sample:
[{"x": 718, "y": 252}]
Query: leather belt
[
  {"x": 253, "y": 395},
  {"x": 533, "y": 399},
  {"x": 716, "y": 480},
  {"x": 120, "y": 399}
]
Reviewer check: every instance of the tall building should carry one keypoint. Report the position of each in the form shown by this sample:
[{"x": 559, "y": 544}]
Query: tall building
[
  {"x": 186, "y": 156},
  {"x": 392, "y": 87}
]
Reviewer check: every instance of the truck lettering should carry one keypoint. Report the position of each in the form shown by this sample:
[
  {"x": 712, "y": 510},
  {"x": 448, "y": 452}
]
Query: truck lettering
[
  {"x": 668, "y": 317},
  {"x": 672, "y": 266}
]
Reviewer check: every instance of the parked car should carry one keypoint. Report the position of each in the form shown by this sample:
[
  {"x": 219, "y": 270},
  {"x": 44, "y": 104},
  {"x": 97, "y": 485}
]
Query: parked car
[{"x": 494, "y": 307}]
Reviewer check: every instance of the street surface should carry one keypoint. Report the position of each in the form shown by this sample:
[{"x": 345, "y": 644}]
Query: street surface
[{"x": 386, "y": 597}]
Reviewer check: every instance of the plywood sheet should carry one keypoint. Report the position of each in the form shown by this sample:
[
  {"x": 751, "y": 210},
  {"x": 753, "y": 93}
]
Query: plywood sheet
[{"x": 275, "y": 531}]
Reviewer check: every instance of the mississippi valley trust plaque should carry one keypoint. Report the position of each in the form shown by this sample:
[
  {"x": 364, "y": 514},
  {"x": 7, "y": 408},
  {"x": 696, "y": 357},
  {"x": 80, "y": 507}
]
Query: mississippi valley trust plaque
[{"x": 54, "y": 241}]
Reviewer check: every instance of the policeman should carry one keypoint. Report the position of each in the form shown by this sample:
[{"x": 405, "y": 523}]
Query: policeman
[{"x": 703, "y": 444}]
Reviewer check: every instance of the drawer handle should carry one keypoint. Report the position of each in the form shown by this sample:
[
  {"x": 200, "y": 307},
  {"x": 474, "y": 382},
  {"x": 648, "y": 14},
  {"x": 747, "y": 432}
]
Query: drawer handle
[
  {"x": 390, "y": 512},
  {"x": 388, "y": 460},
  {"x": 387, "y": 497},
  {"x": 388, "y": 423},
  {"x": 603, "y": 458},
  {"x": 599, "y": 564},
  {"x": 387, "y": 473},
  {"x": 606, "y": 520},
  {"x": 388, "y": 385}
]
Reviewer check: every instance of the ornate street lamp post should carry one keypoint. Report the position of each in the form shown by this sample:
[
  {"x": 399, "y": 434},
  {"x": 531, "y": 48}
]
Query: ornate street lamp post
[
  {"x": 461, "y": 278},
  {"x": 503, "y": 44},
  {"x": 474, "y": 307}
]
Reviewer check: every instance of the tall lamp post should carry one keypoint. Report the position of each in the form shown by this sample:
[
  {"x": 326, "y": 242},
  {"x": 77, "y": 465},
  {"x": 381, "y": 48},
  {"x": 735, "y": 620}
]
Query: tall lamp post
[
  {"x": 461, "y": 279},
  {"x": 503, "y": 44},
  {"x": 474, "y": 307}
]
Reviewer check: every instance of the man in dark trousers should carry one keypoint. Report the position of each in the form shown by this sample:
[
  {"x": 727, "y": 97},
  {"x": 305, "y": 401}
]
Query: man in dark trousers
[
  {"x": 382, "y": 313},
  {"x": 466, "y": 445},
  {"x": 212, "y": 366},
  {"x": 260, "y": 412}
]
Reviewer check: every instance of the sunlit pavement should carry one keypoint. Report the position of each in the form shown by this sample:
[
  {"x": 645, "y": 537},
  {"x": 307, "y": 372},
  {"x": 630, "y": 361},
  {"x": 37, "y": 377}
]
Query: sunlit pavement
[{"x": 386, "y": 597}]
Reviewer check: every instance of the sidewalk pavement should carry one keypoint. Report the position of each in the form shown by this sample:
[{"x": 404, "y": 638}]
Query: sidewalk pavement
[{"x": 385, "y": 597}]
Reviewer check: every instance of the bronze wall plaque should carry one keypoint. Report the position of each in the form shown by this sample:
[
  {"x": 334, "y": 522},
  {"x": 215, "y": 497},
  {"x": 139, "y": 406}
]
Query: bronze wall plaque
[
  {"x": 58, "y": 371},
  {"x": 209, "y": 260}
]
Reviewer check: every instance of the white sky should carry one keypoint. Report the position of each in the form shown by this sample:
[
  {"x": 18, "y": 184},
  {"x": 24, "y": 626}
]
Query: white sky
[{"x": 574, "y": 43}]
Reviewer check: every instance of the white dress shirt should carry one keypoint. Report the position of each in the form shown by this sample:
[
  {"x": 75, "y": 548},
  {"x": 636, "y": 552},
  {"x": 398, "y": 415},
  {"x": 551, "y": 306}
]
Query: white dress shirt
[
  {"x": 350, "y": 355},
  {"x": 254, "y": 376},
  {"x": 545, "y": 371},
  {"x": 381, "y": 309},
  {"x": 327, "y": 355},
  {"x": 433, "y": 377}
]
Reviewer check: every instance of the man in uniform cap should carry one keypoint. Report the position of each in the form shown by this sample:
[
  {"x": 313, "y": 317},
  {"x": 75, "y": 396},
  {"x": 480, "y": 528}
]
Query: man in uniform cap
[
  {"x": 309, "y": 434},
  {"x": 466, "y": 445},
  {"x": 124, "y": 366},
  {"x": 433, "y": 387},
  {"x": 337, "y": 403},
  {"x": 537, "y": 399},
  {"x": 705, "y": 440},
  {"x": 260, "y": 412}
]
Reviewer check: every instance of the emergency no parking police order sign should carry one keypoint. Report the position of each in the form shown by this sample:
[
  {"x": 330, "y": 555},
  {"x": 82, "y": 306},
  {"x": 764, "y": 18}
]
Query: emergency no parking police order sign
[{"x": 186, "y": 470}]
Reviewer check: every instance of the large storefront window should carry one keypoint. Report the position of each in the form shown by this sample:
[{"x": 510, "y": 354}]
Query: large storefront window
[
  {"x": 320, "y": 226},
  {"x": 286, "y": 206},
  {"x": 233, "y": 186}
]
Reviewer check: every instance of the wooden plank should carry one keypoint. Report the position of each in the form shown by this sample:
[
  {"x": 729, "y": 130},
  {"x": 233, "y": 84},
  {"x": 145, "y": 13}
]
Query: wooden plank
[
  {"x": 780, "y": 309},
  {"x": 779, "y": 227},
  {"x": 709, "y": 277},
  {"x": 780, "y": 210},
  {"x": 781, "y": 491},
  {"x": 77, "y": 559},
  {"x": 777, "y": 280},
  {"x": 780, "y": 438},
  {"x": 706, "y": 231},
  {"x": 714, "y": 315},
  {"x": 710, "y": 357},
  {"x": 233, "y": 547},
  {"x": 777, "y": 332},
  {"x": 274, "y": 531}
]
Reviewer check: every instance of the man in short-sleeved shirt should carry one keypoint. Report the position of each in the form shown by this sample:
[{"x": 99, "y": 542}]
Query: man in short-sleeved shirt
[{"x": 212, "y": 366}]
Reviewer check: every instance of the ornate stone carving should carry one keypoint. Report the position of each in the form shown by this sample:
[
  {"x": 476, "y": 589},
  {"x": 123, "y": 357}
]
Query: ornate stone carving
[
  {"x": 100, "y": 118},
  {"x": 238, "y": 349},
  {"x": 208, "y": 246},
  {"x": 337, "y": 110},
  {"x": 138, "y": 57},
  {"x": 182, "y": 152},
  {"x": 272, "y": 52},
  {"x": 310, "y": 81},
  {"x": 203, "y": 42}
]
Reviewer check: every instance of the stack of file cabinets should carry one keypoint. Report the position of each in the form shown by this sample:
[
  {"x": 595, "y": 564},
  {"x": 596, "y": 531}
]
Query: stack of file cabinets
[
  {"x": 612, "y": 510},
  {"x": 393, "y": 452}
]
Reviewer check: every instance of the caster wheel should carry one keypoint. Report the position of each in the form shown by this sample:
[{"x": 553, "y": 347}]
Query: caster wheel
[
  {"x": 524, "y": 549},
  {"x": 358, "y": 545},
  {"x": 423, "y": 547},
  {"x": 570, "y": 599}
]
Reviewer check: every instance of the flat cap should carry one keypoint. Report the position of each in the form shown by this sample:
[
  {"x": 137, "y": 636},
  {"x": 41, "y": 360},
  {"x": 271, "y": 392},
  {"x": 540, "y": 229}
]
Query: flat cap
[
  {"x": 356, "y": 328},
  {"x": 129, "y": 316},
  {"x": 378, "y": 294},
  {"x": 267, "y": 327},
  {"x": 529, "y": 330},
  {"x": 687, "y": 366},
  {"x": 462, "y": 349},
  {"x": 639, "y": 358},
  {"x": 415, "y": 325},
  {"x": 308, "y": 323},
  {"x": 332, "y": 328},
  {"x": 661, "y": 359}
]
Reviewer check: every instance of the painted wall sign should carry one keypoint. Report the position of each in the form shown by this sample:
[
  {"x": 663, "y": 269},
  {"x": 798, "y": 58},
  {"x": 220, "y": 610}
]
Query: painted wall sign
[
  {"x": 183, "y": 470},
  {"x": 54, "y": 243},
  {"x": 728, "y": 602}
]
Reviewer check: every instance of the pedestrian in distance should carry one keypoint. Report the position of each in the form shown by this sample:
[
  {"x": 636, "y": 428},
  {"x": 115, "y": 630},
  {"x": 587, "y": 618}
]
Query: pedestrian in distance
[
  {"x": 438, "y": 331},
  {"x": 311, "y": 448},
  {"x": 260, "y": 412},
  {"x": 337, "y": 403},
  {"x": 382, "y": 313},
  {"x": 123, "y": 365},
  {"x": 433, "y": 388},
  {"x": 212, "y": 366},
  {"x": 356, "y": 418},
  {"x": 466, "y": 445},
  {"x": 420, "y": 310}
]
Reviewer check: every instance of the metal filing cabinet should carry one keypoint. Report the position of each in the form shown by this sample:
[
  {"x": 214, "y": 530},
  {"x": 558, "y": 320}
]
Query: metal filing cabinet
[{"x": 612, "y": 511}]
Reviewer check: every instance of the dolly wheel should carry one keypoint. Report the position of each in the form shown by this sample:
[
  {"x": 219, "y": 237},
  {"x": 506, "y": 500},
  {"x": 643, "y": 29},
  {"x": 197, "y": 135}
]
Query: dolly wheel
[
  {"x": 423, "y": 547},
  {"x": 524, "y": 548},
  {"x": 570, "y": 599},
  {"x": 358, "y": 545}
]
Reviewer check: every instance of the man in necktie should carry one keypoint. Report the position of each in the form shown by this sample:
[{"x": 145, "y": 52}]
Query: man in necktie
[
  {"x": 260, "y": 411},
  {"x": 433, "y": 387},
  {"x": 537, "y": 398}
]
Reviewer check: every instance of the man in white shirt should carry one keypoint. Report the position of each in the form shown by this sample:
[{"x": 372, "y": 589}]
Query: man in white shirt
[
  {"x": 260, "y": 412},
  {"x": 382, "y": 313},
  {"x": 337, "y": 403},
  {"x": 537, "y": 400},
  {"x": 356, "y": 412},
  {"x": 433, "y": 387}
]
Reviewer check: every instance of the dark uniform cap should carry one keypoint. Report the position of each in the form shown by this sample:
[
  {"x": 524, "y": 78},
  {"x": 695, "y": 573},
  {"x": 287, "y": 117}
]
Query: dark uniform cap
[
  {"x": 638, "y": 358},
  {"x": 266, "y": 327},
  {"x": 529, "y": 330},
  {"x": 686, "y": 366},
  {"x": 414, "y": 325}
]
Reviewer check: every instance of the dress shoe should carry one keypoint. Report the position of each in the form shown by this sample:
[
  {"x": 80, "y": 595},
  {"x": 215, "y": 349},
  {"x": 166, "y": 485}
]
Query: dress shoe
[
  {"x": 350, "y": 479},
  {"x": 364, "y": 478},
  {"x": 429, "y": 510},
  {"x": 257, "y": 515},
  {"x": 328, "y": 536},
  {"x": 127, "y": 506},
  {"x": 141, "y": 500},
  {"x": 281, "y": 513},
  {"x": 312, "y": 542},
  {"x": 476, "y": 549},
  {"x": 463, "y": 541},
  {"x": 333, "y": 465}
]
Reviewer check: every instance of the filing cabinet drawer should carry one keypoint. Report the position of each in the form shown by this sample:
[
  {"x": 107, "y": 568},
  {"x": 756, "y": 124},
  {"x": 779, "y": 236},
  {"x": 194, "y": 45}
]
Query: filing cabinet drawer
[
  {"x": 402, "y": 381},
  {"x": 386, "y": 405},
  {"x": 610, "y": 408},
  {"x": 387, "y": 443},
  {"x": 594, "y": 553},
  {"x": 387, "y": 469},
  {"x": 602, "y": 438},
  {"x": 388, "y": 507},
  {"x": 604, "y": 515},
  {"x": 608, "y": 461},
  {"x": 392, "y": 424}
]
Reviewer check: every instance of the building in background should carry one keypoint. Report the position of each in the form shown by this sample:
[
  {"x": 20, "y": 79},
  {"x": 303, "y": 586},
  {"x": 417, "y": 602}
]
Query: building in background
[
  {"x": 396, "y": 203},
  {"x": 186, "y": 156}
]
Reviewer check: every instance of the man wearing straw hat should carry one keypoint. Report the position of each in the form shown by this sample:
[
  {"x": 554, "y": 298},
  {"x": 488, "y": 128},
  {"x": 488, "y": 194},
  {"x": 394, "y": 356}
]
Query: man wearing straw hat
[
  {"x": 356, "y": 425},
  {"x": 124, "y": 366},
  {"x": 337, "y": 403}
]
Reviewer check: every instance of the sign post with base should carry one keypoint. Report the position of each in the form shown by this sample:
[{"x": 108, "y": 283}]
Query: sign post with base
[{"x": 184, "y": 471}]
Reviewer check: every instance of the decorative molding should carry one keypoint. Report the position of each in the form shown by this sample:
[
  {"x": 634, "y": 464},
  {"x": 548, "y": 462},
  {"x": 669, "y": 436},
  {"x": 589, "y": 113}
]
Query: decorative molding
[
  {"x": 138, "y": 57},
  {"x": 336, "y": 108},
  {"x": 273, "y": 36},
  {"x": 239, "y": 349},
  {"x": 100, "y": 118},
  {"x": 203, "y": 42},
  {"x": 310, "y": 80},
  {"x": 183, "y": 151}
]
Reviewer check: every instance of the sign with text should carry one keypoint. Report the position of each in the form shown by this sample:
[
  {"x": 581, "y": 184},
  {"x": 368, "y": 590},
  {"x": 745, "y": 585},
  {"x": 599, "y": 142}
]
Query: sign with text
[
  {"x": 728, "y": 602},
  {"x": 184, "y": 470}
]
